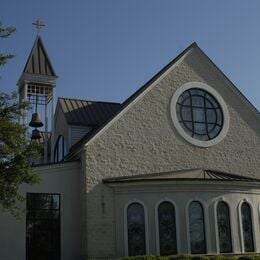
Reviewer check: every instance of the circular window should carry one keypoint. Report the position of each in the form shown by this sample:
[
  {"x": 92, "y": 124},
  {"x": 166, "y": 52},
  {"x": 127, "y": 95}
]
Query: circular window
[{"x": 199, "y": 113}]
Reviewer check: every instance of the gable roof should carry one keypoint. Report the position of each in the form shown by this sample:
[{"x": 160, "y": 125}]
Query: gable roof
[
  {"x": 76, "y": 148},
  {"x": 38, "y": 61},
  {"x": 189, "y": 174},
  {"x": 85, "y": 112}
]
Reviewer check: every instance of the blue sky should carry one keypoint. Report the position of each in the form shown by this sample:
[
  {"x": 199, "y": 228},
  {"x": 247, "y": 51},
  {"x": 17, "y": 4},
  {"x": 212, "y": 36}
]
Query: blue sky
[{"x": 107, "y": 49}]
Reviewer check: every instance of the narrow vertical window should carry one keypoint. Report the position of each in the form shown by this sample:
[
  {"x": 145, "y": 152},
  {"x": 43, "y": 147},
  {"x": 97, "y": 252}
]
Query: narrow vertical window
[
  {"x": 60, "y": 149},
  {"x": 224, "y": 230},
  {"x": 247, "y": 228},
  {"x": 197, "y": 228},
  {"x": 43, "y": 226},
  {"x": 167, "y": 229},
  {"x": 136, "y": 229}
]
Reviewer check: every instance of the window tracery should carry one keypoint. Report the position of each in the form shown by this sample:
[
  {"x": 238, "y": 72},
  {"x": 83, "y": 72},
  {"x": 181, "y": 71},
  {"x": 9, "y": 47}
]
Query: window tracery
[
  {"x": 197, "y": 228},
  {"x": 167, "y": 229},
  {"x": 247, "y": 227},
  {"x": 136, "y": 229},
  {"x": 224, "y": 229}
]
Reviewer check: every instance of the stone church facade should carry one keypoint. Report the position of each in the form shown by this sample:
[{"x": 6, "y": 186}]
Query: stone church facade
[{"x": 173, "y": 169}]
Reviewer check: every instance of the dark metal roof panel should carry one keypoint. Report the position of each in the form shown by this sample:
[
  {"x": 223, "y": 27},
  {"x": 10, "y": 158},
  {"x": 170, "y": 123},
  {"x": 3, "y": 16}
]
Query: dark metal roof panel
[
  {"x": 87, "y": 113},
  {"x": 38, "y": 61},
  {"x": 189, "y": 174}
]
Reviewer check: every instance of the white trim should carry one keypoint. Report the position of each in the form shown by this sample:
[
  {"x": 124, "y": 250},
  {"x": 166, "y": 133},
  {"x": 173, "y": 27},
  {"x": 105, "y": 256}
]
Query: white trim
[
  {"x": 125, "y": 226},
  {"x": 259, "y": 216},
  {"x": 188, "y": 222},
  {"x": 129, "y": 106},
  {"x": 241, "y": 227},
  {"x": 221, "y": 199},
  {"x": 176, "y": 223},
  {"x": 221, "y": 102}
]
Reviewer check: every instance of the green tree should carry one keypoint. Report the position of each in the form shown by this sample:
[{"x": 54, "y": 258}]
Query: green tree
[
  {"x": 4, "y": 33},
  {"x": 16, "y": 151}
]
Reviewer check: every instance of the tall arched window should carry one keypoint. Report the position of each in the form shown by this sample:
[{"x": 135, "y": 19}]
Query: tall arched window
[
  {"x": 136, "y": 229},
  {"x": 247, "y": 228},
  {"x": 60, "y": 149},
  {"x": 167, "y": 229},
  {"x": 224, "y": 230},
  {"x": 197, "y": 228}
]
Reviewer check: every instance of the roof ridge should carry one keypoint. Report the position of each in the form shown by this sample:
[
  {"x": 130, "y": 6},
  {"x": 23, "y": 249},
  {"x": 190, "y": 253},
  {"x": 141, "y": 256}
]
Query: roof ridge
[
  {"x": 88, "y": 100},
  {"x": 228, "y": 174}
]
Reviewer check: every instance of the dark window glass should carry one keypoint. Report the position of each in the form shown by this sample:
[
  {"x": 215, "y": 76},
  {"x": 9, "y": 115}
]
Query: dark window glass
[
  {"x": 197, "y": 228},
  {"x": 60, "y": 149},
  {"x": 167, "y": 229},
  {"x": 224, "y": 231},
  {"x": 136, "y": 229},
  {"x": 199, "y": 114},
  {"x": 247, "y": 228},
  {"x": 43, "y": 226}
]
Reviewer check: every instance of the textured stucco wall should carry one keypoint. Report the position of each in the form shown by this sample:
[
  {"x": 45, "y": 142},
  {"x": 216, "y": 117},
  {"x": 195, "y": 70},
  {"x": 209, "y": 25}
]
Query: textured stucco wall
[{"x": 144, "y": 140}]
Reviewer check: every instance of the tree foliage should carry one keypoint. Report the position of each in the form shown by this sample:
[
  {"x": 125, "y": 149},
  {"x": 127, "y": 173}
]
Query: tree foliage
[
  {"x": 16, "y": 151},
  {"x": 4, "y": 33}
]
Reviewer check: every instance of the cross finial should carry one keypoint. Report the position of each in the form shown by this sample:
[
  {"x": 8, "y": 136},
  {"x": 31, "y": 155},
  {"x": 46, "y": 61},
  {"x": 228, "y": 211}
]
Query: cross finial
[{"x": 38, "y": 25}]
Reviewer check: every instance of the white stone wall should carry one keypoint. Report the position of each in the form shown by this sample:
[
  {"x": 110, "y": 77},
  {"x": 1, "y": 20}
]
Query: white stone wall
[
  {"x": 143, "y": 140},
  {"x": 180, "y": 194}
]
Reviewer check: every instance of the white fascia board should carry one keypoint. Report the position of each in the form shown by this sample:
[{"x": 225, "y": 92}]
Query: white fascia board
[{"x": 187, "y": 186}]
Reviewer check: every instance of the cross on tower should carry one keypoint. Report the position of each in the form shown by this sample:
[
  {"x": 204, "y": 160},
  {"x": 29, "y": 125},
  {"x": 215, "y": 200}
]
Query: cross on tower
[{"x": 38, "y": 25}]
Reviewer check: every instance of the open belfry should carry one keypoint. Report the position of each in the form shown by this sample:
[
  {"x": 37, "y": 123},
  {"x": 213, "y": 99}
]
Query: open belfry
[{"x": 37, "y": 86}]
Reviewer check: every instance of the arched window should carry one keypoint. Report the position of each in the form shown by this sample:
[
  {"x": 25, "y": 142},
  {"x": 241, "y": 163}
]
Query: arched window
[
  {"x": 136, "y": 229},
  {"x": 197, "y": 228},
  {"x": 224, "y": 230},
  {"x": 247, "y": 228},
  {"x": 167, "y": 229},
  {"x": 60, "y": 149}
]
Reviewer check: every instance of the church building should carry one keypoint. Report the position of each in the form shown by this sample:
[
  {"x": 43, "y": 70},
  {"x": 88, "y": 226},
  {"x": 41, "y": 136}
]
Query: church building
[{"x": 174, "y": 169}]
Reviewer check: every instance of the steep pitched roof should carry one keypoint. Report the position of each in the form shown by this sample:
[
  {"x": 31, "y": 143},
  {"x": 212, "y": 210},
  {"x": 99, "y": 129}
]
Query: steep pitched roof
[
  {"x": 38, "y": 61},
  {"x": 190, "y": 174},
  {"x": 85, "y": 112},
  {"x": 75, "y": 149}
]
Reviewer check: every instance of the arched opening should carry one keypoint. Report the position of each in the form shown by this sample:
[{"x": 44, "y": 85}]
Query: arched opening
[
  {"x": 247, "y": 227},
  {"x": 197, "y": 228},
  {"x": 59, "y": 149},
  {"x": 167, "y": 229},
  {"x": 136, "y": 229},
  {"x": 224, "y": 229}
]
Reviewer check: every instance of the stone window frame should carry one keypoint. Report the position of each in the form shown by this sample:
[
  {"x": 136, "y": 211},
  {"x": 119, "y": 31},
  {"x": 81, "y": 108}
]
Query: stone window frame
[
  {"x": 206, "y": 223},
  {"x": 126, "y": 227},
  {"x": 220, "y": 100},
  {"x": 222, "y": 199},
  {"x": 176, "y": 222},
  {"x": 241, "y": 226}
]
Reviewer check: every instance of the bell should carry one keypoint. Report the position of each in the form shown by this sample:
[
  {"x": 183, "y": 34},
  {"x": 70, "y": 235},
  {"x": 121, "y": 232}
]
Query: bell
[
  {"x": 36, "y": 120},
  {"x": 35, "y": 134}
]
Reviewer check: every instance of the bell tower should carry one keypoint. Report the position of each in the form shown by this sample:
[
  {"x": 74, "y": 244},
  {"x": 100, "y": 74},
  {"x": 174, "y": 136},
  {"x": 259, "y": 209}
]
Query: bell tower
[{"x": 37, "y": 85}]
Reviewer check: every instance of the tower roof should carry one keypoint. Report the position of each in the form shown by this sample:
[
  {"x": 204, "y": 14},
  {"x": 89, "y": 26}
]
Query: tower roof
[{"x": 38, "y": 61}]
